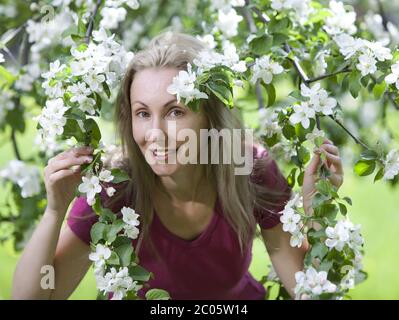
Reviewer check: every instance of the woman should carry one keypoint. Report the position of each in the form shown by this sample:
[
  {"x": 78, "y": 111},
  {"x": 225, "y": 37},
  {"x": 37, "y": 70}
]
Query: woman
[{"x": 197, "y": 221}]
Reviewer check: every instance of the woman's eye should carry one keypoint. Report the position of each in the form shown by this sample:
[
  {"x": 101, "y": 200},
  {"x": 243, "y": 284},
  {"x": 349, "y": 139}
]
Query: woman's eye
[
  {"x": 142, "y": 114},
  {"x": 176, "y": 113}
]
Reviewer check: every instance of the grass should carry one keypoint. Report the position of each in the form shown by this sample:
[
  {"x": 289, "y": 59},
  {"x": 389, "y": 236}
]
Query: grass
[{"x": 374, "y": 207}]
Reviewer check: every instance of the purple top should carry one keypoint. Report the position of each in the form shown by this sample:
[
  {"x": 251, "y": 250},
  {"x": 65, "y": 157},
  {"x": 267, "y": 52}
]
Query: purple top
[{"x": 208, "y": 267}]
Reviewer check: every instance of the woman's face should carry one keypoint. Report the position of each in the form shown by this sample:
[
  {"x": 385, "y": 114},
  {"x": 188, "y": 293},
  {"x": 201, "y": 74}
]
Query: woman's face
[{"x": 155, "y": 114}]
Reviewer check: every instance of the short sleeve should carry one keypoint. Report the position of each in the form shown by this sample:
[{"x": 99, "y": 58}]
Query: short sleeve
[
  {"x": 81, "y": 217},
  {"x": 276, "y": 192}
]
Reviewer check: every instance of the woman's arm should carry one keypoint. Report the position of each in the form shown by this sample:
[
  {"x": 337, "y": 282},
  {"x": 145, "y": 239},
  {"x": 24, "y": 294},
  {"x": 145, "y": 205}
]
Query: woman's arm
[
  {"x": 68, "y": 255},
  {"x": 286, "y": 260}
]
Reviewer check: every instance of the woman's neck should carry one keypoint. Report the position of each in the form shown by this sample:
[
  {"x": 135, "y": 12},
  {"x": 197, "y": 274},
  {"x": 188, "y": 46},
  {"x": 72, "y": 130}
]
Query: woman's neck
[{"x": 187, "y": 185}]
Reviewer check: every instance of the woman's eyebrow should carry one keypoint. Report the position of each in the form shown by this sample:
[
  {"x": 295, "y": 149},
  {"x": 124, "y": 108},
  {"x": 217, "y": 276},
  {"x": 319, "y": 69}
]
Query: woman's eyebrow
[{"x": 167, "y": 103}]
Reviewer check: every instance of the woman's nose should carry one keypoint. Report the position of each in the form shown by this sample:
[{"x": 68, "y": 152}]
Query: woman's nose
[{"x": 156, "y": 133}]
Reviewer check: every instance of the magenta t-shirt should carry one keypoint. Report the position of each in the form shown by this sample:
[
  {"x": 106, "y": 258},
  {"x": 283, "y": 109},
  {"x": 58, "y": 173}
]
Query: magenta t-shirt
[{"x": 210, "y": 266}]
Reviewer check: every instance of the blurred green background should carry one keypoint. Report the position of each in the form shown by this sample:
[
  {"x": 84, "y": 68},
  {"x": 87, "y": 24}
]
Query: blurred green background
[{"x": 374, "y": 207}]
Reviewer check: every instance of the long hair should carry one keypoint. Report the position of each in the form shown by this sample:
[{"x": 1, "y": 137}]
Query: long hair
[{"x": 237, "y": 194}]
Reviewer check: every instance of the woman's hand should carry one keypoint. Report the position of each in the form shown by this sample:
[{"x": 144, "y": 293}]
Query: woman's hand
[
  {"x": 333, "y": 164},
  {"x": 62, "y": 176}
]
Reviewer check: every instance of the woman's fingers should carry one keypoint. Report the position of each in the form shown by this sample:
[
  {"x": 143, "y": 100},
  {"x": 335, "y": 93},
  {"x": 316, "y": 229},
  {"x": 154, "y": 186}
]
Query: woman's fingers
[
  {"x": 66, "y": 163},
  {"x": 312, "y": 166},
  {"x": 62, "y": 174},
  {"x": 336, "y": 161},
  {"x": 330, "y": 148}
]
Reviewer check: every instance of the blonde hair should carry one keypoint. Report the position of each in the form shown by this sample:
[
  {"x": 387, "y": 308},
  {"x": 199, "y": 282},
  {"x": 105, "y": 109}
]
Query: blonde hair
[{"x": 237, "y": 194}]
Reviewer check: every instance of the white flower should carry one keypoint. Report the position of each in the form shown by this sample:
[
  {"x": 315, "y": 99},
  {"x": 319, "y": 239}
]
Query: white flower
[
  {"x": 297, "y": 239},
  {"x": 348, "y": 46},
  {"x": 55, "y": 67},
  {"x": 131, "y": 231},
  {"x": 290, "y": 220},
  {"x": 90, "y": 186},
  {"x": 301, "y": 8},
  {"x": 110, "y": 191},
  {"x": 264, "y": 68},
  {"x": 349, "y": 280},
  {"x": 183, "y": 86},
  {"x": 323, "y": 103},
  {"x": 111, "y": 17},
  {"x": 106, "y": 176},
  {"x": 130, "y": 217},
  {"x": 79, "y": 91},
  {"x": 311, "y": 284},
  {"x": 302, "y": 114},
  {"x": 394, "y": 76},
  {"x": 228, "y": 21},
  {"x": 1, "y": 58},
  {"x": 319, "y": 99},
  {"x": 94, "y": 80},
  {"x": 320, "y": 65},
  {"x": 391, "y": 164},
  {"x": 118, "y": 282},
  {"x": 366, "y": 64},
  {"x": 52, "y": 118},
  {"x": 340, "y": 20},
  {"x": 101, "y": 254},
  {"x": 339, "y": 235},
  {"x": 27, "y": 177},
  {"x": 209, "y": 40},
  {"x": 87, "y": 105}
]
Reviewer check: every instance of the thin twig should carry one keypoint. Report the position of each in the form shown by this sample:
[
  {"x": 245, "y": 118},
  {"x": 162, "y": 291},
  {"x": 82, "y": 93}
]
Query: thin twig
[
  {"x": 328, "y": 75},
  {"x": 91, "y": 23},
  {"x": 15, "y": 145},
  {"x": 357, "y": 140},
  {"x": 252, "y": 28}
]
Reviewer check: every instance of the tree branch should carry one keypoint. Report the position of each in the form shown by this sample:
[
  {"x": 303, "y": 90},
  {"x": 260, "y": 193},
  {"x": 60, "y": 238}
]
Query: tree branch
[
  {"x": 328, "y": 75},
  {"x": 357, "y": 140},
  {"x": 91, "y": 23},
  {"x": 15, "y": 145}
]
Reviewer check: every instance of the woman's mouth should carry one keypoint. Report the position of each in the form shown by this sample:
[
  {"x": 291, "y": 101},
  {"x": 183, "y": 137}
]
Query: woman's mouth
[{"x": 163, "y": 154}]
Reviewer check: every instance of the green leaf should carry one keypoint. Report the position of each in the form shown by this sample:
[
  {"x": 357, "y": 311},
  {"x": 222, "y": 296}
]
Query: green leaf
[
  {"x": 125, "y": 254},
  {"x": 342, "y": 208},
  {"x": 72, "y": 129},
  {"x": 157, "y": 294},
  {"x": 224, "y": 94},
  {"x": 291, "y": 177},
  {"x": 119, "y": 175},
  {"x": 114, "y": 229},
  {"x": 300, "y": 178},
  {"x": 348, "y": 200},
  {"x": 107, "y": 216},
  {"x": 364, "y": 167},
  {"x": 15, "y": 118},
  {"x": 379, "y": 89},
  {"x": 323, "y": 186},
  {"x": 288, "y": 131},
  {"x": 319, "y": 249},
  {"x": 354, "y": 85},
  {"x": 97, "y": 232},
  {"x": 113, "y": 259},
  {"x": 278, "y": 25},
  {"x": 106, "y": 89},
  {"x": 93, "y": 132},
  {"x": 261, "y": 45},
  {"x": 369, "y": 155},
  {"x": 379, "y": 174},
  {"x": 81, "y": 27},
  {"x": 6, "y": 77},
  {"x": 139, "y": 273},
  {"x": 297, "y": 95},
  {"x": 271, "y": 93},
  {"x": 303, "y": 154},
  {"x": 77, "y": 38}
]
